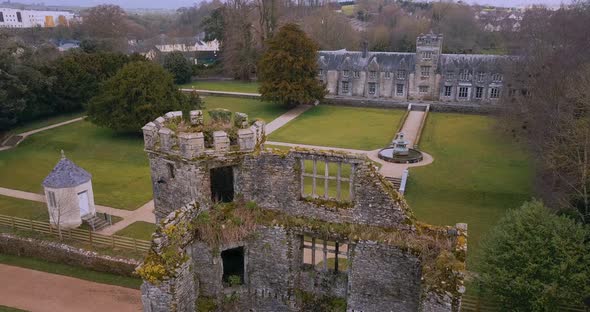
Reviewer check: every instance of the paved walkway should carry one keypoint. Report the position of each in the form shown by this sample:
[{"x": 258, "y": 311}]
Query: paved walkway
[
  {"x": 144, "y": 213},
  {"x": 223, "y": 93},
  {"x": 411, "y": 126},
  {"x": 45, "y": 292},
  {"x": 285, "y": 118},
  {"x": 31, "y": 132}
]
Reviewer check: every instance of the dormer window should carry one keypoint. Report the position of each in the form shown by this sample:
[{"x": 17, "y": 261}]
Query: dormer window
[
  {"x": 497, "y": 78},
  {"x": 401, "y": 74},
  {"x": 481, "y": 76},
  {"x": 387, "y": 75},
  {"x": 450, "y": 75},
  {"x": 372, "y": 74},
  {"x": 464, "y": 75},
  {"x": 320, "y": 72},
  {"x": 346, "y": 73},
  {"x": 356, "y": 74}
]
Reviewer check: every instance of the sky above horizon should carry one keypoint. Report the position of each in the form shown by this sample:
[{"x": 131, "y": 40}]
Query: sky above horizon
[{"x": 174, "y": 4}]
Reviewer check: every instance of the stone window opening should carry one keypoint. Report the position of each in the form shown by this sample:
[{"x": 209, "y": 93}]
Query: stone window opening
[
  {"x": 494, "y": 93},
  {"x": 372, "y": 88},
  {"x": 448, "y": 91},
  {"x": 233, "y": 266},
  {"x": 346, "y": 73},
  {"x": 463, "y": 92},
  {"x": 345, "y": 87},
  {"x": 450, "y": 75},
  {"x": 423, "y": 89},
  {"x": 372, "y": 74},
  {"x": 323, "y": 255},
  {"x": 425, "y": 71},
  {"x": 497, "y": 77},
  {"x": 328, "y": 180},
  {"x": 387, "y": 75},
  {"x": 399, "y": 89},
  {"x": 478, "y": 92},
  {"x": 401, "y": 74},
  {"x": 222, "y": 184},
  {"x": 427, "y": 55},
  {"x": 464, "y": 75},
  {"x": 170, "y": 167},
  {"x": 356, "y": 74},
  {"x": 481, "y": 76}
]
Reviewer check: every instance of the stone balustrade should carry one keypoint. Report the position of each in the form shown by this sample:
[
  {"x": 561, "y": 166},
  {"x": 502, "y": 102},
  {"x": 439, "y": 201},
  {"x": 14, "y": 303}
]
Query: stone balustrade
[{"x": 158, "y": 136}]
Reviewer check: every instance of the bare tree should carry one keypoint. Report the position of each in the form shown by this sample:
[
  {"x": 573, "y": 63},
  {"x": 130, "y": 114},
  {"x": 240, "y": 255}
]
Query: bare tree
[{"x": 239, "y": 50}]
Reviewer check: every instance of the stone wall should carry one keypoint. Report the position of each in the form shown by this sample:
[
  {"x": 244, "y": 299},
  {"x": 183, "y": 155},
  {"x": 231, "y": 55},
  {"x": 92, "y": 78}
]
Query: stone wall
[
  {"x": 466, "y": 108},
  {"x": 65, "y": 254}
]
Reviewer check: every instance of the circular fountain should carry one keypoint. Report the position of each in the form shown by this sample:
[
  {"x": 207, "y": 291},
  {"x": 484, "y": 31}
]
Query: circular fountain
[{"x": 399, "y": 152}]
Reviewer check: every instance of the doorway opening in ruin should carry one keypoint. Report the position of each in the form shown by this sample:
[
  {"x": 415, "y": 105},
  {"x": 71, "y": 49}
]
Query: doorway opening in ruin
[
  {"x": 222, "y": 184},
  {"x": 233, "y": 266}
]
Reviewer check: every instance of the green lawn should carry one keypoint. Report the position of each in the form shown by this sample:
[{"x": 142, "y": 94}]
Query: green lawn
[
  {"x": 224, "y": 85},
  {"x": 23, "y": 208},
  {"x": 9, "y": 309},
  {"x": 138, "y": 230},
  {"x": 476, "y": 175},
  {"x": 347, "y": 127},
  {"x": 348, "y": 10},
  {"x": 36, "y": 124},
  {"x": 118, "y": 164},
  {"x": 253, "y": 107},
  {"x": 68, "y": 270}
]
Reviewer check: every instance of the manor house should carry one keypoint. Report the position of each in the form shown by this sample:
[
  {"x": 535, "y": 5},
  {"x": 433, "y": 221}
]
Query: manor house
[{"x": 427, "y": 74}]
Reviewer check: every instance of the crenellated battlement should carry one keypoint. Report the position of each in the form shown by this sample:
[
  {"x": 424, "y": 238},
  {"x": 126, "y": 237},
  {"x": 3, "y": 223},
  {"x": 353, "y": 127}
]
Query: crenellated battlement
[
  {"x": 192, "y": 137},
  {"x": 429, "y": 39}
]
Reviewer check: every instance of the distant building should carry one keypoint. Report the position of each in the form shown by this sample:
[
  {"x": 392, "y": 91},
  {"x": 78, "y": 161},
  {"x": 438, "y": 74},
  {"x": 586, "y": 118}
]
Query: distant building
[
  {"x": 195, "y": 49},
  {"x": 427, "y": 74},
  {"x": 16, "y": 18}
]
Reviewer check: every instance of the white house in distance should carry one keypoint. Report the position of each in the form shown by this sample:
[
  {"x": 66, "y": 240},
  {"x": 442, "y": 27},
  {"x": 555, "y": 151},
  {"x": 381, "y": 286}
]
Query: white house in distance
[
  {"x": 17, "y": 18},
  {"x": 68, "y": 191}
]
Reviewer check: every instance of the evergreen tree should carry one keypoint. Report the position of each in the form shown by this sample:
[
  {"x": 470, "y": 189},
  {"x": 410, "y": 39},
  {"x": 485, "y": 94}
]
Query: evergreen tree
[
  {"x": 137, "y": 94},
  {"x": 288, "y": 69},
  {"x": 534, "y": 260},
  {"x": 178, "y": 66}
]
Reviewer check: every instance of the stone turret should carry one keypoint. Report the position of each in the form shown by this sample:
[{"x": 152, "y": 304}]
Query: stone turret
[{"x": 191, "y": 138}]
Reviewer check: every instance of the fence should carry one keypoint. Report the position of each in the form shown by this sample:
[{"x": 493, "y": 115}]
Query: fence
[
  {"x": 477, "y": 304},
  {"x": 80, "y": 235}
]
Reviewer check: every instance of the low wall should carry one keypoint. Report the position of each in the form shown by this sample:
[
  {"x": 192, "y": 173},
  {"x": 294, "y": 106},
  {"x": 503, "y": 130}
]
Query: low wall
[
  {"x": 434, "y": 106},
  {"x": 65, "y": 254},
  {"x": 223, "y": 93}
]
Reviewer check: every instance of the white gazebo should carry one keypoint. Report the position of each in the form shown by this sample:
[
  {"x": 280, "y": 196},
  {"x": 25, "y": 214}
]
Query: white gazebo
[{"x": 69, "y": 196}]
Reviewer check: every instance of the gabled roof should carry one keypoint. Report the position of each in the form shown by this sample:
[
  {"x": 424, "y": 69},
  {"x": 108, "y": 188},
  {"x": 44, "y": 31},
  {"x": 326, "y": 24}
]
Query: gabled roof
[
  {"x": 385, "y": 60},
  {"x": 66, "y": 174}
]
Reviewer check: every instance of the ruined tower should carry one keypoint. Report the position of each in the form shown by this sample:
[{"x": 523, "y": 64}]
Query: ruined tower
[{"x": 246, "y": 228}]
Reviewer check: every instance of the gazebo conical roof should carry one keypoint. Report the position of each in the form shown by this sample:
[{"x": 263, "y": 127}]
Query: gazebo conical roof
[{"x": 66, "y": 174}]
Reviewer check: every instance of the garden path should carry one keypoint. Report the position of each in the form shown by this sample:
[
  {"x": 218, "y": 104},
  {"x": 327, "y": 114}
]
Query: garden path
[
  {"x": 144, "y": 213},
  {"x": 411, "y": 126},
  {"x": 24, "y": 135},
  {"x": 285, "y": 118},
  {"x": 40, "y": 291}
]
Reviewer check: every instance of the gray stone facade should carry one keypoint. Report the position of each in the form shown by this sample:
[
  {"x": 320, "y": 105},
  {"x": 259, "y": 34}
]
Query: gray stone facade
[
  {"x": 427, "y": 74},
  {"x": 279, "y": 269}
]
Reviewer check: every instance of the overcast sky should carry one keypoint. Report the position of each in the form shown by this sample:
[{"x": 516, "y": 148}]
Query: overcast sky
[{"x": 173, "y": 4}]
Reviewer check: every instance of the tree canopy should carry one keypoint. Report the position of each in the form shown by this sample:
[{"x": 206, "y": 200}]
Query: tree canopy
[
  {"x": 287, "y": 71},
  {"x": 178, "y": 66},
  {"x": 137, "y": 94},
  {"x": 534, "y": 260}
]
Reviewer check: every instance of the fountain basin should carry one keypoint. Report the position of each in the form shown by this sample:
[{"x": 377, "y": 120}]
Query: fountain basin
[{"x": 413, "y": 156}]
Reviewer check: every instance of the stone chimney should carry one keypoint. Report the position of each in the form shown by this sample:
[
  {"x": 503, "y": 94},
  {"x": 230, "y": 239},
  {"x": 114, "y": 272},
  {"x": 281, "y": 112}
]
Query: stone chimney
[{"x": 365, "y": 48}]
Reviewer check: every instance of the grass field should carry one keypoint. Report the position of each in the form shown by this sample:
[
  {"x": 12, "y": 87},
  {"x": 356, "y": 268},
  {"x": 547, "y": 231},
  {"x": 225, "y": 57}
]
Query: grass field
[
  {"x": 119, "y": 167},
  {"x": 138, "y": 230},
  {"x": 9, "y": 309},
  {"x": 72, "y": 271},
  {"x": 347, "y": 127},
  {"x": 348, "y": 10},
  {"x": 118, "y": 164},
  {"x": 224, "y": 85},
  {"x": 23, "y": 208},
  {"x": 254, "y": 108},
  {"x": 45, "y": 122},
  {"x": 476, "y": 175}
]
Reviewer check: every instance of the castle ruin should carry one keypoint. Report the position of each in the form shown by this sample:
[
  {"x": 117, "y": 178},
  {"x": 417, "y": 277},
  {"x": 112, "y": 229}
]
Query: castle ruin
[{"x": 249, "y": 228}]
